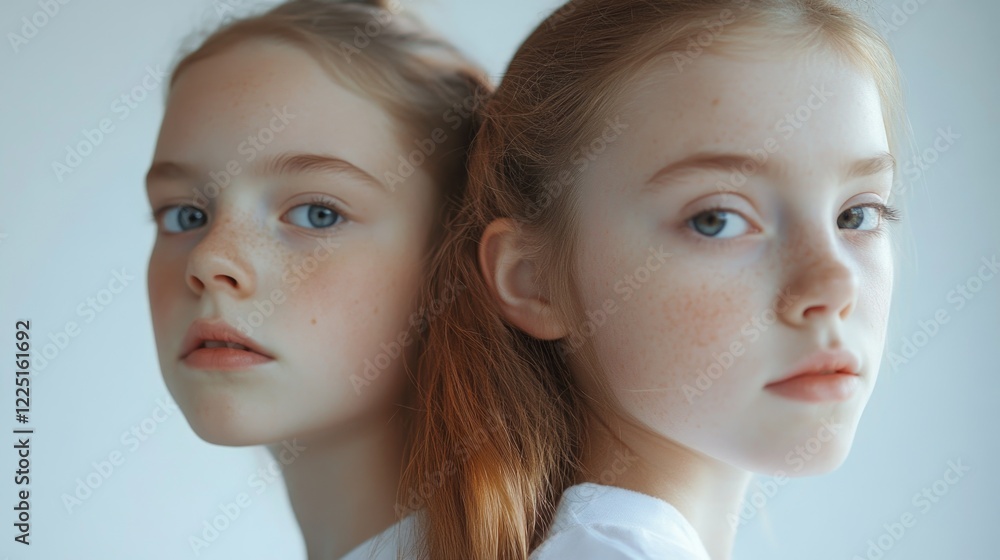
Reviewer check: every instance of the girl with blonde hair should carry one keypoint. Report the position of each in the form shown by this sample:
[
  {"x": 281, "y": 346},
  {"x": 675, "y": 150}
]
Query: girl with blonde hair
[{"x": 301, "y": 170}]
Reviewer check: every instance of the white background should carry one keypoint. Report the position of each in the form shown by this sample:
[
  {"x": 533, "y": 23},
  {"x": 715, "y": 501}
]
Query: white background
[{"x": 61, "y": 241}]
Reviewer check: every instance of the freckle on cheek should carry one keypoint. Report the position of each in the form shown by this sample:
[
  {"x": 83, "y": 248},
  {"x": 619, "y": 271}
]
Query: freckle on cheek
[
  {"x": 700, "y": 316},
  {"x": 313, "y": 321}
]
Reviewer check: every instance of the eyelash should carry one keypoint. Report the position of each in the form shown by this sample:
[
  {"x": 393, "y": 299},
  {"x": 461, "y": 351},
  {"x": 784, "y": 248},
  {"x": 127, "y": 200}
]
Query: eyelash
[
  {"x": 329, "y": 204},
  {"x": 316, "y": 200},
  {"x": 332, "y": 204},
  {"x": 154, "y": 216},
  {"x": 887, "y": 214}
]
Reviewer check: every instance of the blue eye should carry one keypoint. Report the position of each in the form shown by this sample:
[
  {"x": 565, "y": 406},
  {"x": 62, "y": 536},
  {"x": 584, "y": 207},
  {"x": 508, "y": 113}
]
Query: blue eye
[
  {"x": 317, "y": 215},
  {"x": 712, "y": 222},
  {"x": 177, "y": 219},
  {"x": 855, "y": 218}
]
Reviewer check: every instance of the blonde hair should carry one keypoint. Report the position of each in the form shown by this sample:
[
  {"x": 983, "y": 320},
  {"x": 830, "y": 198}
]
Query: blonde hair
[
  {"x": 418, "y": 78},
  {"x": 478, "y": 372},
  {"x": 379, "y": 51}
]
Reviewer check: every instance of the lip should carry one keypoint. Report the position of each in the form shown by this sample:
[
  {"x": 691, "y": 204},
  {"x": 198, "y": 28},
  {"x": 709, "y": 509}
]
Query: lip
[
  {"x": 202, "y": 330},
  {"x": 822, "y": 376}
]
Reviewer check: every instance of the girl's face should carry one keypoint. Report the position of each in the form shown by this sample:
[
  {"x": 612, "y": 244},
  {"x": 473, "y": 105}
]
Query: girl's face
[
  {"x": 273, "y": 217},
  {"x": 691, "y": 319}
]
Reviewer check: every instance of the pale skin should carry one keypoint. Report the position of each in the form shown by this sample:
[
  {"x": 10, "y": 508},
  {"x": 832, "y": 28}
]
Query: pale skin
[
  {"x": 784, "y": 233},
  {"x": 346, "y": 273}
]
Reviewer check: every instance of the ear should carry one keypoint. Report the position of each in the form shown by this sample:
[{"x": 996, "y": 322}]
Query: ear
[{"x": 513, "y": 280}]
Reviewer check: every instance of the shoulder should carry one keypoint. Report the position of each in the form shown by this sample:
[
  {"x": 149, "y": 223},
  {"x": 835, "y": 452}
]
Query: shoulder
[
  {"x": 399, "y": 541},
  {"x": 611, "y": 542},
  {"x": 607, "y": 522}
]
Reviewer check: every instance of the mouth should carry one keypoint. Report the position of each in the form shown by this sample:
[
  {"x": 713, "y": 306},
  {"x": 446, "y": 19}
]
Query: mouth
[
  {"x": 221, "y": 344},
  {"x": 216, "y": 345},
  {"x": 823, "y": 376}
]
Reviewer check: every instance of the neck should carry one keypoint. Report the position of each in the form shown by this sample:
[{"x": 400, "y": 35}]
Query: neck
[
  {"x": 342, "y": 486},
  {"x": 707, "y": 492}
]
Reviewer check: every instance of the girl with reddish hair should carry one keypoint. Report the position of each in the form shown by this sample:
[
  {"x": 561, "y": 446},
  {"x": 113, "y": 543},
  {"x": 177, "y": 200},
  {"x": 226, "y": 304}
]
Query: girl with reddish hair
[{"x": 678, "y": 257}]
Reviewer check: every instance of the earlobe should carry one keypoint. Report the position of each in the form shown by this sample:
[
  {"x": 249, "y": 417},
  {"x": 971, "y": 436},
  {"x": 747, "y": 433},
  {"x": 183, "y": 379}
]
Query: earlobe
[{"x": 513, "y": 280}]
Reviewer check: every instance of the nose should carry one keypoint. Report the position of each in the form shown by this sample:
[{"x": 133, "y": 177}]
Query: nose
[
  {"x": 219, "y": 264},
  {"x": 823, "y": 285}
]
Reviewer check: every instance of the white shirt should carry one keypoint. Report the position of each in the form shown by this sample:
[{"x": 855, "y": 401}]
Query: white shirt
[
  {"x": 396, "y": 542},
  {"x": 594, "y": 521}
]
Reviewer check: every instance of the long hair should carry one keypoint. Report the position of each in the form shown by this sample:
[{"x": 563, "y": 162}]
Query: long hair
[
  {"x": 382, "y": 53},
  {"x": 500, "y": 422}
]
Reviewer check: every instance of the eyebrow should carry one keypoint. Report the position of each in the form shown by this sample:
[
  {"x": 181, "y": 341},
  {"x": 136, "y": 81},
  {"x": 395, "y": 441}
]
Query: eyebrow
[
  {"x": 168, "y": 170},
  {"x": 281, "y": 164},
  {"x": 292, "y": 164},
  {"x": 880, "y": 162},
  {"x": 884, "y": 161}
]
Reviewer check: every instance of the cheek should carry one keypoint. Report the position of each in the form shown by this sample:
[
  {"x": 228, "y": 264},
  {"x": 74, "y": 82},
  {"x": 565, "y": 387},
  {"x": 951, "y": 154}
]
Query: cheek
[
  {"x": 670, "y": 327},
  {"x": 701, "y": 310},
  {"x": 351, "y": 301},
  {"x": 668, "y": 333},
  {"x": 875, "y": 289},
  {"x": 162, "y": 278},
  {"x": 351, "y": 310}
]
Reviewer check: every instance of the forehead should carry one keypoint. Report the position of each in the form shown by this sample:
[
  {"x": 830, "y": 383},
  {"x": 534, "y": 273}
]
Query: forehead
[
  {"x": 220, "y": 101},
  {"x": 814, "y": 105}
]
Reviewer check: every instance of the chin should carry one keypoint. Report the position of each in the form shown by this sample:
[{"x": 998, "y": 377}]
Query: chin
[
  {"x": 812, "y": 447},
  {"x": 817, "y": 454},
  {"x": 226, "y": 435},
  {"x": 820, "y": 464},
  {"x": 222, "y": 420}
]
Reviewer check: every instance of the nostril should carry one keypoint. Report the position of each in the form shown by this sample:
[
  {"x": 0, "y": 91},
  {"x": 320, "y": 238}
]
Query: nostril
[
  {"x": 216, "y": 271},
  {"x": 818, "y": 309},
  {"x": 225, "y": 278},
  {"x": 195, "y": 283}
]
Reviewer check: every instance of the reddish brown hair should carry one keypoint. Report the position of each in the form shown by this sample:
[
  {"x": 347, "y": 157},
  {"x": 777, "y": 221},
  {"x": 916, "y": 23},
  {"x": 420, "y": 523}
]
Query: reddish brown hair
[{"x": 480, "y": 374}]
